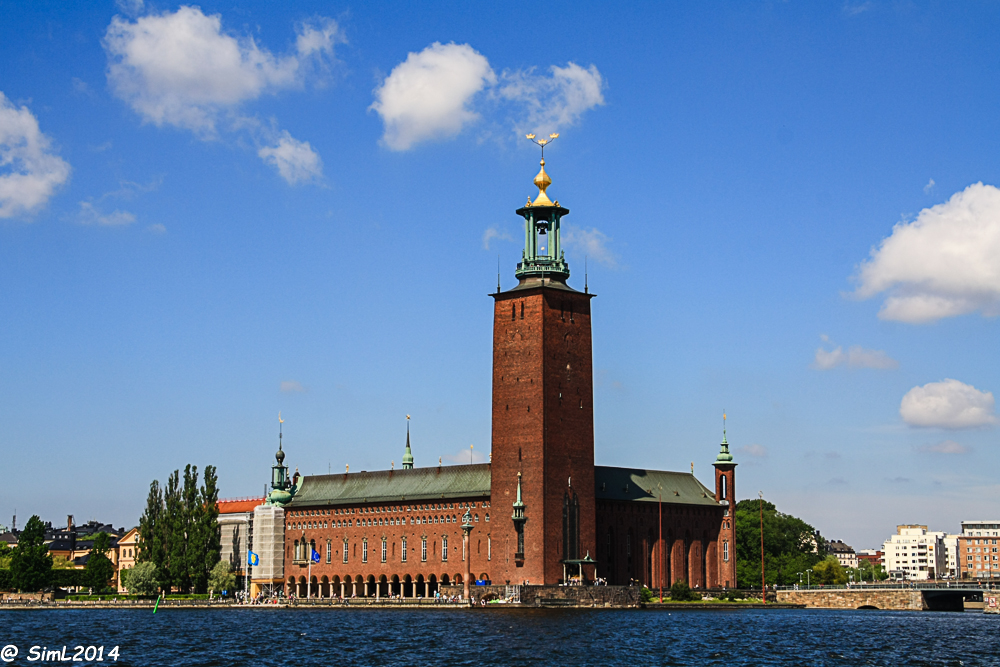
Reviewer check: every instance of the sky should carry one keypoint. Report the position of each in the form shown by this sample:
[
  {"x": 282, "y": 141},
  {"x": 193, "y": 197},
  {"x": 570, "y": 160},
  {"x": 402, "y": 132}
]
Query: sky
[{"x": 788, "y": 211}]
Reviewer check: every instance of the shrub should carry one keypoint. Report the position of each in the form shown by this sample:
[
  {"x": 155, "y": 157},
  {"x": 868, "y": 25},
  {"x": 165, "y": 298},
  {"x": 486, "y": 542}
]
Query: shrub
[
  {"x": 645, "y": 595},
  {"x": 681, "y": 592}
]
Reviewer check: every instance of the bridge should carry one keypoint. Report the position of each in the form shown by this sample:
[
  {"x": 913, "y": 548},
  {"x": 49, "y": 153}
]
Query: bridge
[{"x": 950, "y": 596}]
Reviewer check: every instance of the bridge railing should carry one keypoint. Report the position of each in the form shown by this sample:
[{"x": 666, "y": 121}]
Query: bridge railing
[{"x": 969, "y": 585}]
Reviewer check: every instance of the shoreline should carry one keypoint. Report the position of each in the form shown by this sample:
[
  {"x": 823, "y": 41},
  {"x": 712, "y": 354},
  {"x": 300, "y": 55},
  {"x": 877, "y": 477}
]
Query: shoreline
[{"x": 428, "y": 605}]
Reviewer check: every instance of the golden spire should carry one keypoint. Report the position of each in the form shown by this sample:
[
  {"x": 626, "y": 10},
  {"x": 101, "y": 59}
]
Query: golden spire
[{"x": 542, "y": 180}]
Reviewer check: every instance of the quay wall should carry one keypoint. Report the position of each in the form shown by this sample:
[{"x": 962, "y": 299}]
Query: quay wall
[
  {"x": 902, "y": 599},
  {"x": 555, "y": 596}
]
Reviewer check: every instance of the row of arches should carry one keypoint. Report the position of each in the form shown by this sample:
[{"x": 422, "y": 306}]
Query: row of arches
[
  {"x": 631, "y": 554},
  {"x": 357, "y": 586}
]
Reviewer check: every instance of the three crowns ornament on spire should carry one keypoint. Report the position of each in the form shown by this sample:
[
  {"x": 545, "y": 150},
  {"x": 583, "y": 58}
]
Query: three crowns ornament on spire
[{"x": 542, "y": 180}]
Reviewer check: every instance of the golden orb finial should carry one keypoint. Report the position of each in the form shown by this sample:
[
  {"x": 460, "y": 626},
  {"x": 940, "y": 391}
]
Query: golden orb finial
[{"x": 542, "y": 180}]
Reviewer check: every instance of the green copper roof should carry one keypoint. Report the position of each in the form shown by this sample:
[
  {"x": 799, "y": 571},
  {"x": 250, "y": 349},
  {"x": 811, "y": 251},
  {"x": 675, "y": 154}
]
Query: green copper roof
[
  {"x": 724, "y": 455},
  {"x": 415, "y": 484},
  {"x": 408, "y": 454},
  {"x": 678, "y": 488}
]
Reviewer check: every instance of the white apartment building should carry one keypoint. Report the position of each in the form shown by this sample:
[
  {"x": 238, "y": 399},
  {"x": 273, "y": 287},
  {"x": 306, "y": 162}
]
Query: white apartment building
[
  {"x": 914, "y": 553},
  {"x": 951, "y": 555}
]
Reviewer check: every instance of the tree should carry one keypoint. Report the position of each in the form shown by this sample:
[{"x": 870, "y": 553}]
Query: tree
[
  {"x": 151, "y": 543},
  {"x": 173, "y": 571},
  {"x": 99, "y": 568},
  {"x": 205, "y": 543},
  {"x": 222, "y": 578},
  {"x": 829, "y": 572},
  {"x": 5, "y": 552},
  {"x": 30, "y": 561},
  {"x": 142, "y": 579},
  {"x": 790, "y": 545}
]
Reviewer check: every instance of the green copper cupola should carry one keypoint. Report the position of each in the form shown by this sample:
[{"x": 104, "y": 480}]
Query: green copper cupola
[
  {"x": 724, "y": 455},
  {"x": 543, "y": 255}
]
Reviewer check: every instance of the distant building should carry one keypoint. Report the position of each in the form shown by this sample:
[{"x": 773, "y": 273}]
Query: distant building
[
  {"x": 845, "y": 554},
  {"x": 128, "y": 547},
  {"x": 981, "y": 528},
  {"x": 874, "y": 558},
  {"x": 914, "y": 553},
  {"x": 978, "y": 557},
  {"x": 236, "y": 527}
]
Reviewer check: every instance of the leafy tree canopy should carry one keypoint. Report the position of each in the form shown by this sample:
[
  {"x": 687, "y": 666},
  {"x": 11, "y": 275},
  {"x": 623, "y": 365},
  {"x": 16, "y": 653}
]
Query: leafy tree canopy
[
  {"x": 30, "y": 561},
  {"x": 790, "y": 545},
  {"x": 221, "y": 578},
  {"x": 142, "y": 579}
]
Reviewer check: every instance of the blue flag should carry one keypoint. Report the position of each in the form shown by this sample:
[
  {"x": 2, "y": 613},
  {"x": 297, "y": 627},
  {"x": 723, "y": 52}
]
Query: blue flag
[
  {"x": 315, "y": 556},
  {"x": 252, "y": 559}
]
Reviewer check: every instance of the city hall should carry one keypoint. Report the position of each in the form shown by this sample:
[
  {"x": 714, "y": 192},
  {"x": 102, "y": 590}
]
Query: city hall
[{"x": 539, "y": 512}]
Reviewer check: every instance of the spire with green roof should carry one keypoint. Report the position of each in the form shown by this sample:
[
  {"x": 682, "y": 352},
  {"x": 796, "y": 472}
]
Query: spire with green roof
[{"x": 408, "y": 455}]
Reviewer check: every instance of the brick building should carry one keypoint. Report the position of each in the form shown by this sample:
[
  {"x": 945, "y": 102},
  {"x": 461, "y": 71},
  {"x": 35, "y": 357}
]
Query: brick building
[{"x": 541, "y": 512}]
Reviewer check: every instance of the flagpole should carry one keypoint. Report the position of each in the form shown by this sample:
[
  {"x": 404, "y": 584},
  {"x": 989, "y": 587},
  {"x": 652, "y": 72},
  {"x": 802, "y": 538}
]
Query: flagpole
[{"x": 309, "y": 581}]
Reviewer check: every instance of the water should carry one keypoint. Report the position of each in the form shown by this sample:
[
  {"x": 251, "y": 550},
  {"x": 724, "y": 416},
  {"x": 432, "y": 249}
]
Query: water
[{"x": 300, "y": 637}]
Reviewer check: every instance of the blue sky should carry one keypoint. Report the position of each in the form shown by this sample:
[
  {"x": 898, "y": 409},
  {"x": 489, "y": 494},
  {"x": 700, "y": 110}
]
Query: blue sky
[{"x": 212, "y": 213}]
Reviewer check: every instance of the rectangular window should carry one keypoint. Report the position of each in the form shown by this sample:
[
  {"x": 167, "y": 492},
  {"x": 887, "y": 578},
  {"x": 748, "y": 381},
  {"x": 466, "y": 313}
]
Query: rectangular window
[
  {"x": 346, "y": 550},
  {"x": 489, "y": 549},
  {"x": 384, "y": 553},
  {"x": 423, "y": 549},
  {"x": 444, "y": 549},
  {"x": 329, "y": 551},
  {"x": 404, "y": 550},
  {"x": 725, "y": 551},
  {"x": 364, "y": 552}
]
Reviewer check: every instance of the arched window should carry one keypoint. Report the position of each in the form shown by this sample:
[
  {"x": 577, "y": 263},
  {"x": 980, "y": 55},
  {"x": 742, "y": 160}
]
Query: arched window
[
  {"x": 423, "y": 549},
  {"x": 444, "y": 549},
  {"x": 725, "y": 550},
  {"x": 346, "y": 549},
  {"x": 403, "y": 552},
  {"x": 329, "y": 550},
  {"x": 723, "y": 487},
  {"x": 384, "y": 552},
  {"x": 513, "y": 312},
  {"x": 364, "y": 550}
]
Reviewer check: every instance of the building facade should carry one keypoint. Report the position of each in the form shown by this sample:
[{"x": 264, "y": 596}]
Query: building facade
[
  {"x": 914, "y": 553},
  {"x": 540, "y": 511},
  {"x": 845, "y": 553}
]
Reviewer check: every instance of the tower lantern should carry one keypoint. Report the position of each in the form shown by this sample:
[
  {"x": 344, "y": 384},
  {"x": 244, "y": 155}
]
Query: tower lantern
[{"x": 543, "y": 255}]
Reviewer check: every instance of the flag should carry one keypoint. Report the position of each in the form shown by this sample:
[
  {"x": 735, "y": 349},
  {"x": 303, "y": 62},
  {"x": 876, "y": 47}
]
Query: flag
[
  {"x": 315, "y": 556},
  {"x": 252, "y": 559}
]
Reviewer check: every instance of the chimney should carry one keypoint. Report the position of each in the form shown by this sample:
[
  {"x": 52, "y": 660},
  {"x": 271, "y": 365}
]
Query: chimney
[{"x": 69, "y": 522}]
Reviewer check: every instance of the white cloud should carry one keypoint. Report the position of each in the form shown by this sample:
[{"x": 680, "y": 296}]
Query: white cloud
[
  {"x": 428, "y": 95},
  {"x": 855, "y": 8},
  {"x": 591, "y": 243},
  {"x": 91, "y": 215},
  {"x": 29, "y": 171},
  {"x": 754, "y": 451},
  {"x": 295, "y": 160},
  {"x": 947, "y": 404},
  {"x": 855, "y": 357},
  {"x": 157, "y": 228},
  {"x": 942, "y": 264},
  {"x": 181, "y": 69},
  {"x": 292, "y": 387},
  {"x": 929, "y": 186},
  {"x": 553, "y": 101},
  {"x": 945, "y": 447},
  {"x": 497, "y": 234}
]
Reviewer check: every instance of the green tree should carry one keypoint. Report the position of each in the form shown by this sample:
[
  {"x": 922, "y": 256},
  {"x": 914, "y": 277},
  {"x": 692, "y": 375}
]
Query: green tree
[
  {"x": 30, "y": 561},
  {"x": 173, "y": 571},
  {"x": 866, "y": 571},
  {"x": 5, "y": 552},
  {"x": 205, "y": 543},
  {"x": 142, "y": 579},
  {"x": 152, "y": 526},
  {"x": 829, "y": 572},
  {"x": 790, "y": 545},
  {"x": 222, "y": 577},
  {"x": 99, "y": 568}
]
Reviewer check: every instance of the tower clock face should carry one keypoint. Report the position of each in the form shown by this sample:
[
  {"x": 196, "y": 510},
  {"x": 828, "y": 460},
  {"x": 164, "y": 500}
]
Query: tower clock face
[{"x": 724, "y": 503}]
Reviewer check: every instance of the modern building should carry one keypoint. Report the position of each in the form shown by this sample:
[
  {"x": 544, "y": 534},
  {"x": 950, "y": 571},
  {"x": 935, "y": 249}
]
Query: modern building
[
  {"x": 979, "y": 557},
  {"x": 981, "y": 528},
  {"x": 845, "y": 554},
  {"x": 914, "y": 553},
  {"x": 540, "y": 511}
]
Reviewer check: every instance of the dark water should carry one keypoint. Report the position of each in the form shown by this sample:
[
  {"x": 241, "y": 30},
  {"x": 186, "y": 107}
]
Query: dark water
[{"x": 296, "y": 638}]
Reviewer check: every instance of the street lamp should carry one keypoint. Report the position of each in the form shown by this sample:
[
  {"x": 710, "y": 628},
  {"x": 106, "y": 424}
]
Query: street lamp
[
  {"x": 808, "y": 581},
  {"x": 800, "y": 577},
  {"x": 466, "y": 529}
]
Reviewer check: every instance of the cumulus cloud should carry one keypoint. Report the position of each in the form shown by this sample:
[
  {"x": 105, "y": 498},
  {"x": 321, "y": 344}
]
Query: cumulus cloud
[
  {"x": 942, "y": 264},
  {"x": 553, "y": 101},
  {"x": 753, "y": 451},
  {"x": 945, "y": 447},
  {"x": 292, "y": 387},
  {"x": 855, "y": 357},
  {"x": 182, "y": 69},
  {"x": 429, "y": 95},
  {"x": 591, "y": 243},
  {"x": 295, "y": 160},
  {"x": 494, "y": 233},
  {"x": 30, "y": 171},
  {"x": 437, "y": 92},
  {"x": 948, "y": 404}
]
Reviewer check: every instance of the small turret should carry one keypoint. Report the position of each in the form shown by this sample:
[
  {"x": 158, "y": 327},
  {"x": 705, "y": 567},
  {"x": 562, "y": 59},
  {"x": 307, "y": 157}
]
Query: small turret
[{"x": 408, "y": 455}]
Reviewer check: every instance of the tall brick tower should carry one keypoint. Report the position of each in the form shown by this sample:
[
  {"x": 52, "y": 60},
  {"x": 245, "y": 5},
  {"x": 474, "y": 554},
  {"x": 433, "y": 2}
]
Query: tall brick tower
[
  {"x": 725, "y": 494},
  {"x": 543, "y": 416}
]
